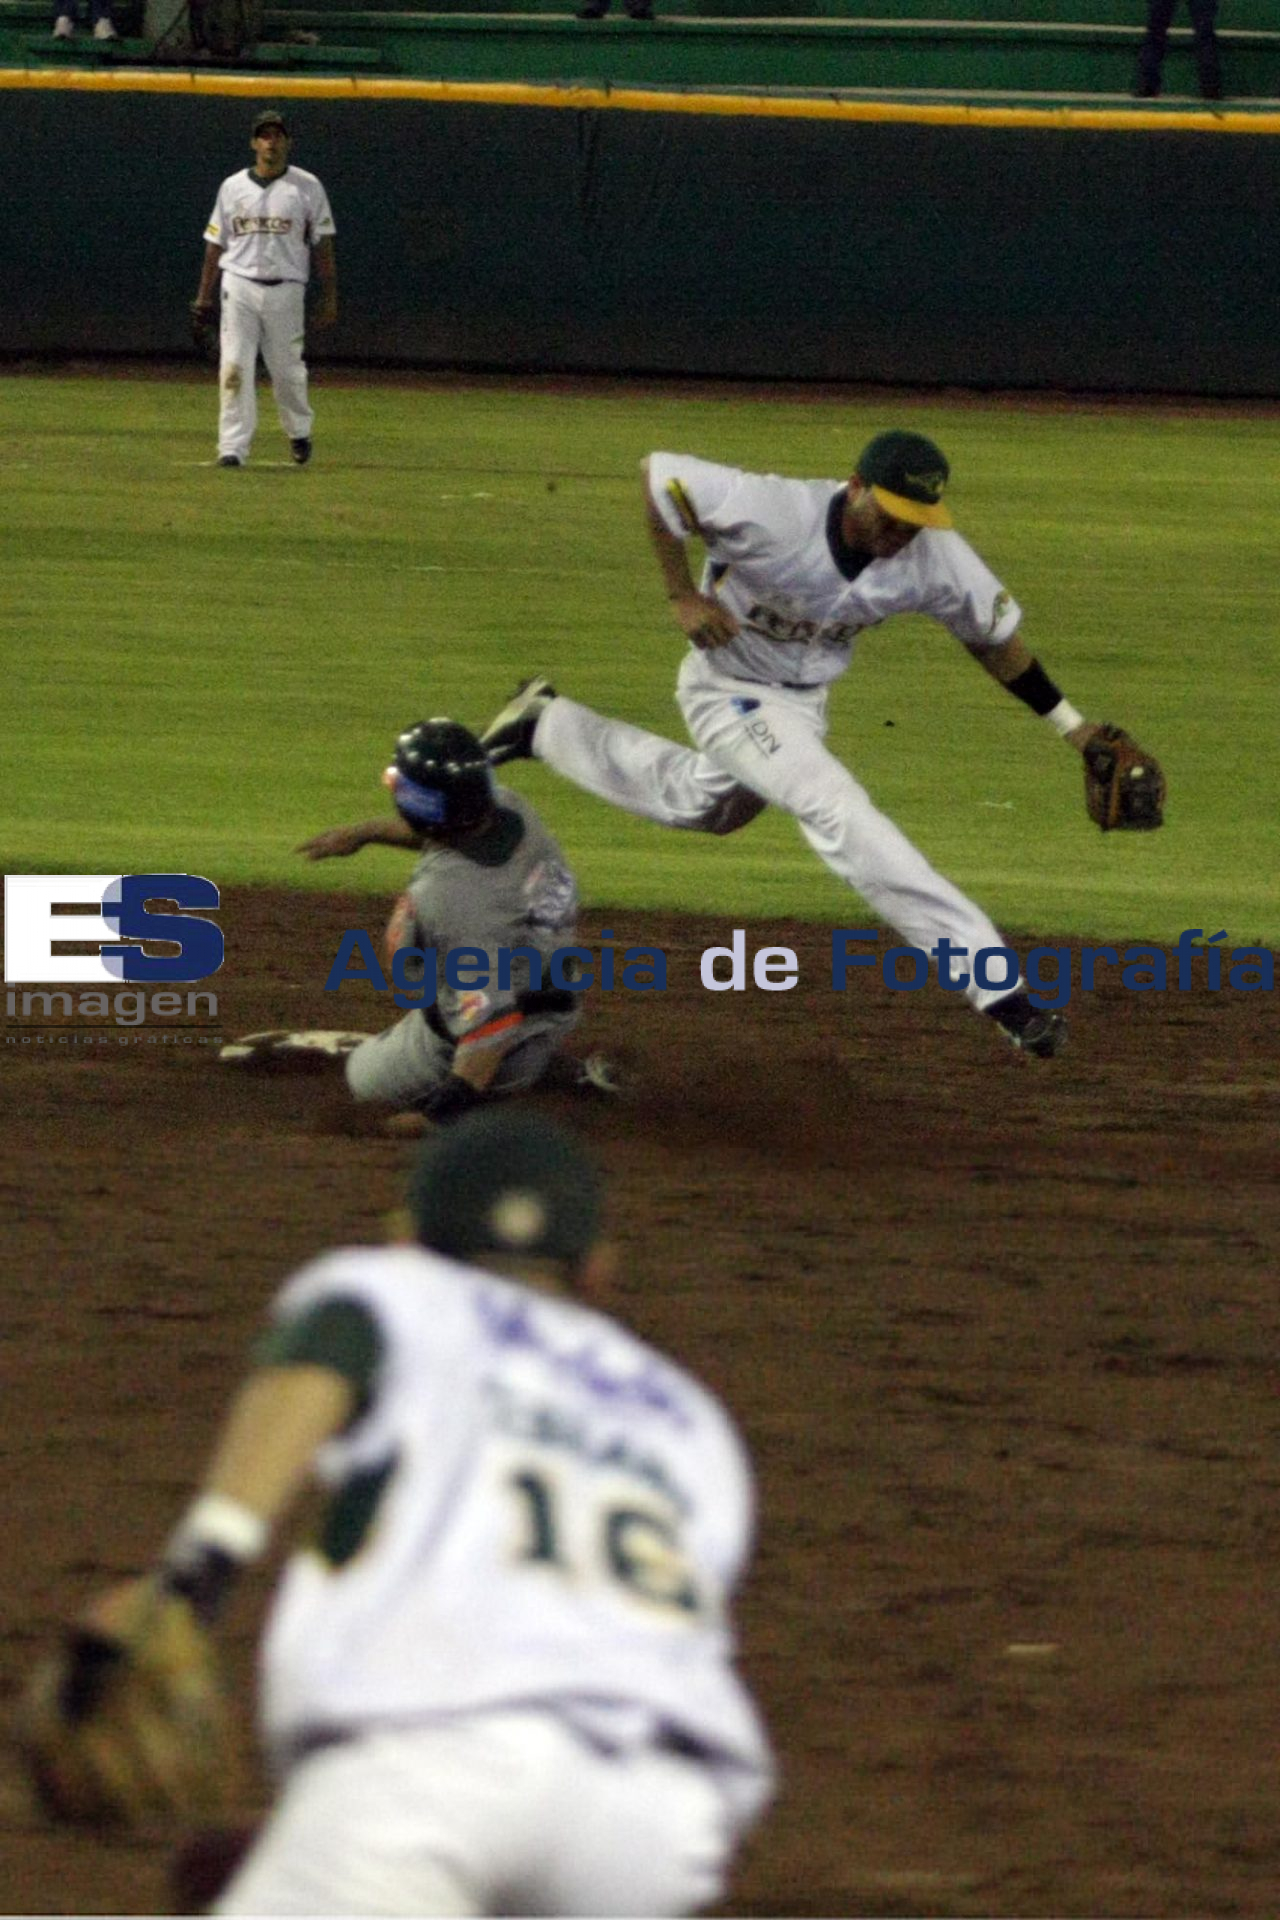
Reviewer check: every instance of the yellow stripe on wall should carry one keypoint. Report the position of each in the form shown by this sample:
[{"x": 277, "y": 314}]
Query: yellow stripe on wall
[{"x": 633, "y": 100}]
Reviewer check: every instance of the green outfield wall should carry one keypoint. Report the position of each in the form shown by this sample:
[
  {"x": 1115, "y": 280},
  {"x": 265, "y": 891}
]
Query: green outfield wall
[{"x": 770, "y": 239}]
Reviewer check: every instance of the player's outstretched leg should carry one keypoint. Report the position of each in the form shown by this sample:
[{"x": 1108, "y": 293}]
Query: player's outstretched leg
[
  {"x": 777, "y": 744},
  {"x": 641, "y": 772}
]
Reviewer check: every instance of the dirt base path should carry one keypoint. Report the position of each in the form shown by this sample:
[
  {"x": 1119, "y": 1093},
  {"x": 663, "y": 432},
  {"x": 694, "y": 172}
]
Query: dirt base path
[{"x": 1002, "y": 1335}]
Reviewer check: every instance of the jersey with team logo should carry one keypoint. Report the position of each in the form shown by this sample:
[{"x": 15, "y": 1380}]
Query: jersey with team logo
[
  {"x": 530, "y": 1506},
  {"x": 512, "y": 888},
  {"x": 267, "y": 228},
  {"x": 776, "y": 560}
]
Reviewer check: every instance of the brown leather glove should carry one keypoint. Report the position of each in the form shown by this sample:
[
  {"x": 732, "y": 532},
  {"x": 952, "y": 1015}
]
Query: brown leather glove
[
  {"x": 1124, "y": 787},
  {"x": 126, "y": 1725}
]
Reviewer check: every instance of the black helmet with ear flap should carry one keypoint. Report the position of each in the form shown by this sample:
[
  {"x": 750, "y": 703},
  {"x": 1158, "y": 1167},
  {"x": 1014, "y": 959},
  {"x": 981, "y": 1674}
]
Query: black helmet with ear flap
[{"x": 441, "y": 778}]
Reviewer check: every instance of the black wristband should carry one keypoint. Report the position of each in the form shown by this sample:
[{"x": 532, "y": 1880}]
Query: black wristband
[
  {"x": 1034, "y": 687},
  {"x": 204, "y": 1575},
  {"x": 451, "y": 1099}
]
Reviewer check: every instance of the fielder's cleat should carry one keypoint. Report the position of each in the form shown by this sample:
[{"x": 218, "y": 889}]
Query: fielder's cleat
[
  {"x": 301, "y": 451},
  {"x": 1040, "y": 1031},
  {"x": 103, "y": 30},
  {"x": 64, "y": 27},
  {"x": 1044, "y": 1036},
  {"x": 509, "y": 735},
  {"x": 230, "y": 460}
]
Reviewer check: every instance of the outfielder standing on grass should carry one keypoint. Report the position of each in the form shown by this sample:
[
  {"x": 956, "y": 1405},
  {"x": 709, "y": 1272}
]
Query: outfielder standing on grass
[
  {"x": 270, "y": 223},
  {"x": 795, "y": 571},
  {"x": 502, "y": 1679}
]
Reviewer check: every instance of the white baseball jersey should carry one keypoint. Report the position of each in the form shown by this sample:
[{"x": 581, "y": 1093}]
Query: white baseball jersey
[
  {"x": 777, "y": 561},
  {"x": 267, "y": 228},
  {"x": 532, "y": 1507}
]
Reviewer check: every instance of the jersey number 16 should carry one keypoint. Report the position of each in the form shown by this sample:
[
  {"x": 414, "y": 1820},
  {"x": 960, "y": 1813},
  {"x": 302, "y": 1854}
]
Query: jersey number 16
[{"x": 638, "y": 1548}]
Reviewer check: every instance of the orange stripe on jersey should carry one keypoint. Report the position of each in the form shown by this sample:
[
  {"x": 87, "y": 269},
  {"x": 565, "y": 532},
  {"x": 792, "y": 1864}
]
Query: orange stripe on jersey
[
  {"x": 683, "y": 505},
  {"x": 490, "y": 1030}
]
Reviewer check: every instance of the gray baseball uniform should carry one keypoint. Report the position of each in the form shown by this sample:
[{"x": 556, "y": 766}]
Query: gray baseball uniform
[{"x": 510, "y": 888}]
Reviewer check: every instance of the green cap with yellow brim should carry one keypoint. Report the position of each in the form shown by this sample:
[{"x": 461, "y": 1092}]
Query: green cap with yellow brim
[{"x": 906, "y": 474}]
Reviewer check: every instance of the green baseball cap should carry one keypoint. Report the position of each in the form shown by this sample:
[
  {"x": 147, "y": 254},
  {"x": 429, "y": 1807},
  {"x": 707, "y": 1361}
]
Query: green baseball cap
[
  {"x": 502, "y": 1181},
  {"x": 270, "y": 117},
  {"x": 907, "y": 474}
]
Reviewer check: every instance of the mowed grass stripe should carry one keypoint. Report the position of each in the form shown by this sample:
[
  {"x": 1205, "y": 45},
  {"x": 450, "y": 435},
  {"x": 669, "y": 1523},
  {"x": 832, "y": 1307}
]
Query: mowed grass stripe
[{"x": 201, "y": 668}]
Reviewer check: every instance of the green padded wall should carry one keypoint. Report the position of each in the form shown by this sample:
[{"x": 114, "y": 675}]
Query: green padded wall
[{"x": 672, "y": 242}]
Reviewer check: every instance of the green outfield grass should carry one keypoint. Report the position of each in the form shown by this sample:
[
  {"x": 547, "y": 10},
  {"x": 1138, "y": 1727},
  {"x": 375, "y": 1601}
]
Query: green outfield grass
[{"x": 202, "y": 667}]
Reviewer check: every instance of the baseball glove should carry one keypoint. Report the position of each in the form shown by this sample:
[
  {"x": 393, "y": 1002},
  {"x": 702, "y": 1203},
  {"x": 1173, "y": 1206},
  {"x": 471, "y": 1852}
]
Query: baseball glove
[
  {"x": 204, "y": 328},
  {"x": 124, "y": 1726},
  {"x": 1123, "y": 786}
]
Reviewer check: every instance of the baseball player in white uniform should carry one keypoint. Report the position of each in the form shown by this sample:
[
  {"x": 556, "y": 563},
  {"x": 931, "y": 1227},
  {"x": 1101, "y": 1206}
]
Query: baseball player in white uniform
[
  {"x": 270, "y": 223},
  {"x": 501, "y": 1679},
  {"x": 795, "y": 571}
]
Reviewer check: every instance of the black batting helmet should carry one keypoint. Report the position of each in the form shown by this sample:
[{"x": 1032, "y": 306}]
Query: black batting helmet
[{"x": 441, "y": 778}]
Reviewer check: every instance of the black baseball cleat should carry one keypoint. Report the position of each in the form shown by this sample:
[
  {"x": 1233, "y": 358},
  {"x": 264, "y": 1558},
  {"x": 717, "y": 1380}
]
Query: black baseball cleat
[
  {"x": 301, "y": 451},
  {"x": 1044, "y": 1036},
  {"x": 509, "y": 735},
  {"x": 230, "y": 460},
  {"x": 1040, "y": 1031}
]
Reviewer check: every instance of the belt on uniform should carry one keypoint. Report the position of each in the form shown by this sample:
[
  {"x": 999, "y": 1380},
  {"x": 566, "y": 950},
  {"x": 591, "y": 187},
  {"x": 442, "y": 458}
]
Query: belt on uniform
[
  {"x": 789, "y": 686},
  {"x": 666, "y": 1738},
  {"x": 687, "y": 1746},
  {"x": 538, "y": 1000},
  {"x": 271, "y": 283}
]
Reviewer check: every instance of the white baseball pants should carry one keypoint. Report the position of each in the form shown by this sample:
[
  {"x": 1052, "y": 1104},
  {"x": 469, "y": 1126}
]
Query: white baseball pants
[
  {"x": 495, "y": 1813},
  {"x": 762, "y": 745},
  {"x": 257, "y": 318}
]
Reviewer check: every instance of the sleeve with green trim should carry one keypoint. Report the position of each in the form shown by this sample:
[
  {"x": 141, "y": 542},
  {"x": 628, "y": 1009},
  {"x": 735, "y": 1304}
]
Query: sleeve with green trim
[{"x": 340, "y": 1333}]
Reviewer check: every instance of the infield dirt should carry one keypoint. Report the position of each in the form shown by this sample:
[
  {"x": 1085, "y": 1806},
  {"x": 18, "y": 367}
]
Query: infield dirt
[{"x": 1002, "y": 1335}]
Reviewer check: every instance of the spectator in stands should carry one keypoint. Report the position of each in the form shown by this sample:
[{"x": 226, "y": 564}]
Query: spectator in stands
[
  {"x": 1151, "y": 55},
  {"x": 64, "y": 20},
  {"x": 597, "y": 9}
]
